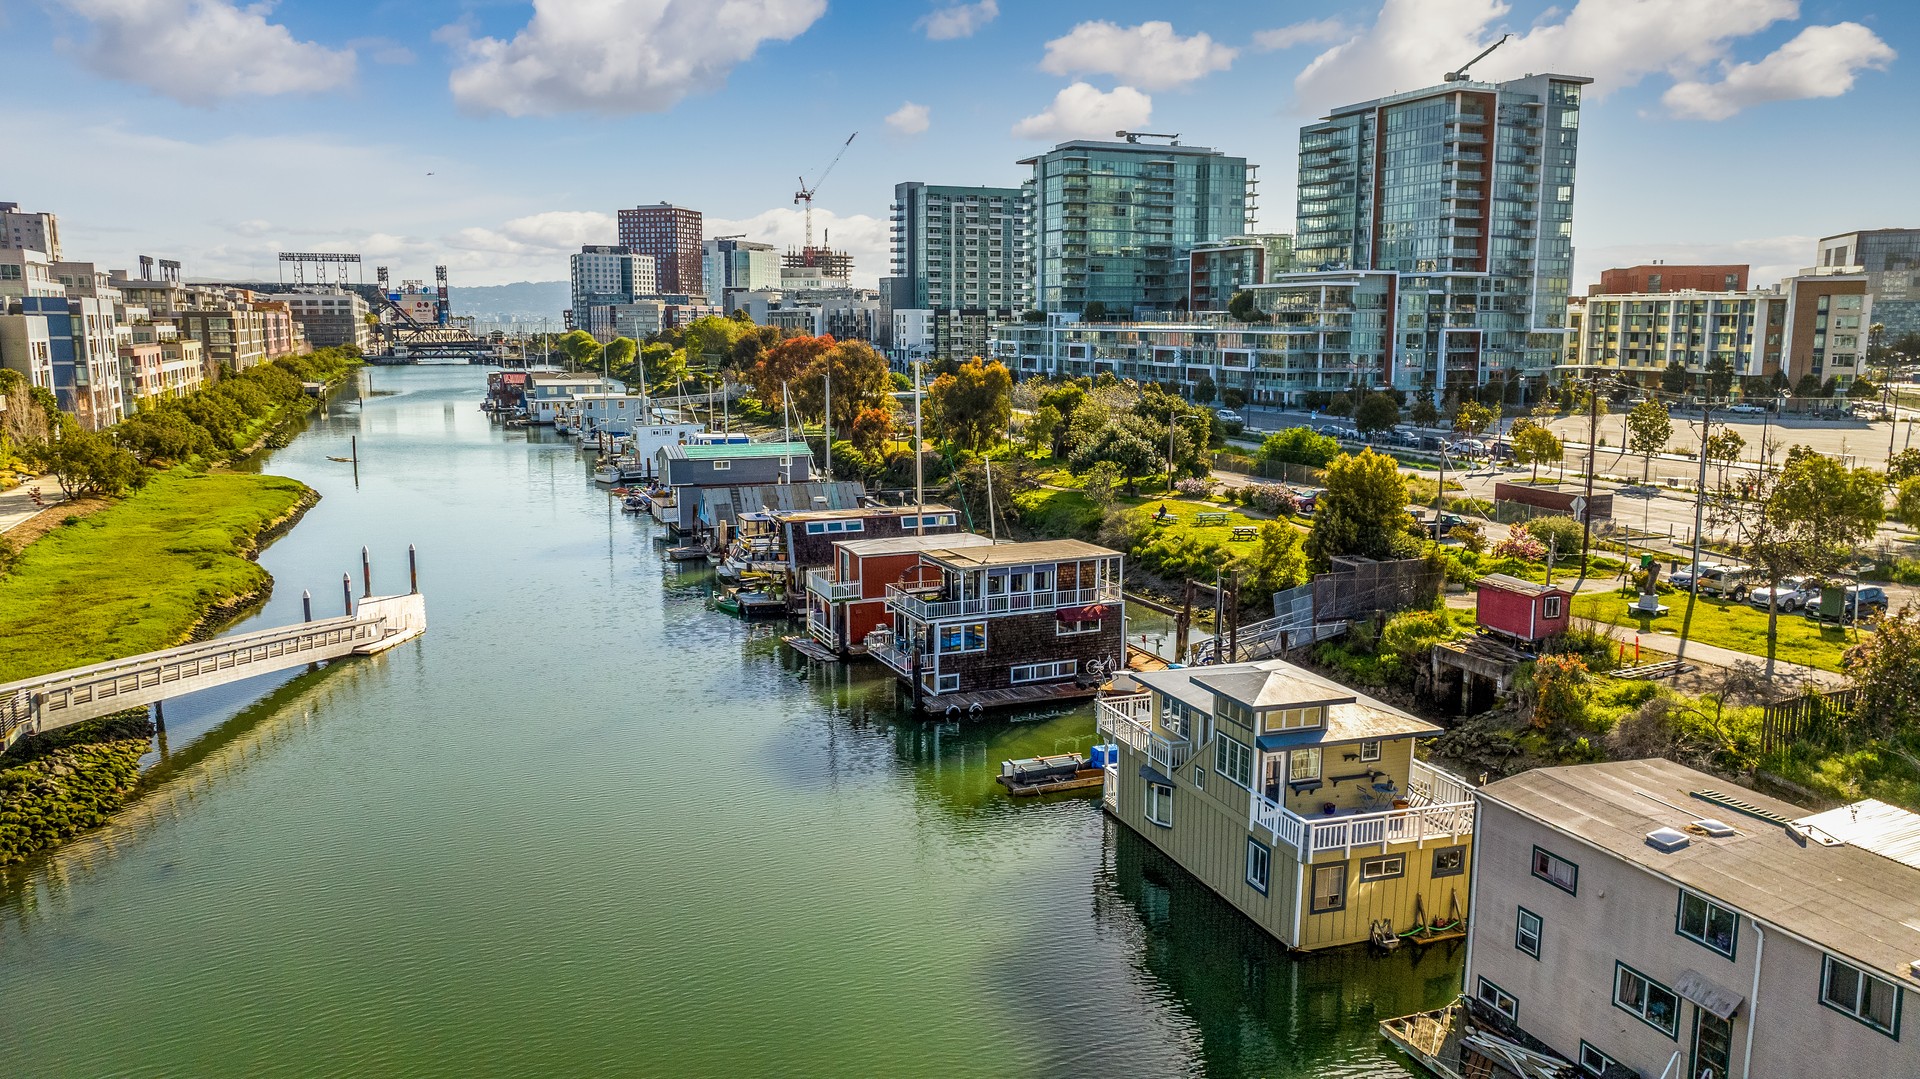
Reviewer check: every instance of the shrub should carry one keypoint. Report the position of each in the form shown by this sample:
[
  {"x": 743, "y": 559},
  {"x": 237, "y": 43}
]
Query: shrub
[
  {"x": 1195, "y": 488},
  {"x": 1558, "y": 698},
  {"x": 1470, "y": 536},
  {"x": 1271, "y": 497},
  {"x": 1299, "y": 446},
  {"x": 1520, "y": 544},
  {"x": 1561, "y": 534}
]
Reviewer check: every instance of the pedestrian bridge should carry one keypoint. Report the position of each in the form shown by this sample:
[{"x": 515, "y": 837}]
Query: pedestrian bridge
[{"x": 51, "y": 701}]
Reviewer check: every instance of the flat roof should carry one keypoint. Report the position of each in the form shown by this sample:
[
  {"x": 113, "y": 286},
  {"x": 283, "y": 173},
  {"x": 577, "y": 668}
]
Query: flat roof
[
  {"x": 1507, "y": 583},
  {"x": 1351, "y": 717},
  {"x": 1013, "y": 554},
  {"x": 715, "y": 451},
  {"x": 863, "y": 511},
  {"x": 1860, "y": 905},
  {"x": 868, "y": 548}
]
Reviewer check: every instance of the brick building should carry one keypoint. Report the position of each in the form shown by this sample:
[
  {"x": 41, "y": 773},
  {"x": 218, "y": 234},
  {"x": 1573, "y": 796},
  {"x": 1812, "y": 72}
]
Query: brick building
[{"x": 672, "y": 236}]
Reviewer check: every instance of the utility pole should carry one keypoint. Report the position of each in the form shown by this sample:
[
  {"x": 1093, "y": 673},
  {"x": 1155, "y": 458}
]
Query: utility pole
[
  {"x": 1699, "y": 511},
  {"x": 826, "y": 421},
  {"x": 1593, "y": 439},
  {"x": 919, "y": 468}
]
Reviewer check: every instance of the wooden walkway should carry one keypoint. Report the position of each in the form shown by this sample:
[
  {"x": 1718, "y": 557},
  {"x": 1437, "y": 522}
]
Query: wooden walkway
[{"x": 1018, "y": 697}]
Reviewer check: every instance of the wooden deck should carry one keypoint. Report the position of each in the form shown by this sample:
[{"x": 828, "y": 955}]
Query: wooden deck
[
  {"x": 804, "y": 644},
  {"x": 1084, "y": 778},
  {"x": 1139, "y": 659},
  {"x": 1017, "y": 697}
]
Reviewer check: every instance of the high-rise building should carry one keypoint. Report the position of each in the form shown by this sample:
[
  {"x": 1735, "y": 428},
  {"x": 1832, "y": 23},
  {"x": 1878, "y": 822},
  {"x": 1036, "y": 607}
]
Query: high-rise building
[
  {"x": 607, "y": 274},
  {"x": 731, "y": 263},
  {"x": 959, "y": 247},
  {"x": 29, "y": 231},
  {"x": 1465, "y": 192},
  {"x": 671, "y": 235},
  {"x": 1891, "y": 260},
  {"x": 331, "y": 317},
  {"x": 1113, "y": 222}
]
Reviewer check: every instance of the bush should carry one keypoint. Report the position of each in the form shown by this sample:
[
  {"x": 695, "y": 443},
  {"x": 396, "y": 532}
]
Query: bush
[
  {"x": 1408, "y": 639},
  {"x": 1299, "y": 446},
  {"x": 1271, "y": 497},
  {"x": 1557, "y": 700},
  {"x": 1595, "y": 647},
  {"x": 1520, "y": 545},
  {"x": 1561, "y": 535},
  {"x": 1470, "y": 536},
  {"x": 1194, "y": 488}
]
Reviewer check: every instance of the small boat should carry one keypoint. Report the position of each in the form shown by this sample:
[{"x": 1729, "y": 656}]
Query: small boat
[
  {"x": 750, "y": 603},
  {"x": 1044, "y": 775},
  {"x": 692, "y": 552}
]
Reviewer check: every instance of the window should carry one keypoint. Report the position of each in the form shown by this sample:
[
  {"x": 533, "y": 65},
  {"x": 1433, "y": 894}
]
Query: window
[
  {"x": 1369, "y": 751},
  {"x": 1526, "y": 932},
  {"x": 1303, "y": 765},
  {"x": 1160, "y": 805},
  {"x": 1259, "y": 864},
  {"x": 1290, "y": 719},
  {"x": 948, "y": 683},
  {"x": 1551, "y": 609},
  {"x": 1068, "y": 629},
  {"x": 1233, "y": 760},
  {"x": 722, "y": 466},
  {"x": 1872, "y": 1000},
  {"x": 1654, "y": 1004},
  {"x": 1449, "y": 862},
  {"x": 1499, "y": 1000},
  {"x": 1045, "y": 672},
  {"x": 1329, "y": 888},
  {"x": 1387, "y": 868},
  {"x": 1708, "y": 923},
  {"x": 1556, "y": 871},
  {"x": 964, "y": 637},
  {"x": 1041, "y": 577},
  {"x": 1593, "y": 1061},
  {"x": 1199, "y": 778}
]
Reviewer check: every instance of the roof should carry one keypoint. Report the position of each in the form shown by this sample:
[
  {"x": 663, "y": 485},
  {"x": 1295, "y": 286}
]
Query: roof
[
  {"x": 869, "y": 548},
  {"x": 1351, "y": 717},
  {"x": 1014, "y": 554},
  {"x": 734, "y": 451},
  {"x": 1860, "y": 905},
  {"x": 1506, "y": 583},
  {"x": 1888, "y": 831},
  {"x": 862, "y": 511}
]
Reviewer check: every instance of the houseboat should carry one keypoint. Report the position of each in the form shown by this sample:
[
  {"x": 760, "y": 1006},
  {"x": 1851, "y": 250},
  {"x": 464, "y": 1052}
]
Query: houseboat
[
  {"x": 549, "y": 395},
  {"x": 684, "y": 469},
  {"x": 847, "y": 600},
  {"x": 1296, "y": 799}
]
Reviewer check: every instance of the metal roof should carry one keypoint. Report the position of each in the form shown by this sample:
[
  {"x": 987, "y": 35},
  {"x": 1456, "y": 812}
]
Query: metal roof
[
  {"x": 867, "y": 548},
  {"x": 1855, "y": 903},
  {"x": 1351, "y": 717},
  {"x": 734, "y": 451},
  {"x": 1014, "y": 554},
  {"x": 1888, "y": 831},
  {"x": 1507, "y": 583}
]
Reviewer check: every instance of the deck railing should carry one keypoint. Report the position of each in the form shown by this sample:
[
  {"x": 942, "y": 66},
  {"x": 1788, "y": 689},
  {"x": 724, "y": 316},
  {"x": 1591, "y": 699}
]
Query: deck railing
[
  {"x": 1128, "y": 719},
  {"x": 899, "y": 599},
  {"x": 821, "y": 582},
  {"x": 1427, "y": 819}
]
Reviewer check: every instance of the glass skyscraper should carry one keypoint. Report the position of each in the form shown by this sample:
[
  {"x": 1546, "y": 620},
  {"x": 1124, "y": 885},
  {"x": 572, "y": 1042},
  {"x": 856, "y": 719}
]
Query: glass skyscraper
[
  {"x": 1114, "y": 222},
  {"x": 1465, "y": 192}
]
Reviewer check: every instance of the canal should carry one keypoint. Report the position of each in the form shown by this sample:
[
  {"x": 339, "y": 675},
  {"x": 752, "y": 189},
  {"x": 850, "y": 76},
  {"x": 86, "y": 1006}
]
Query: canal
[{"x": 585, "y": 826}]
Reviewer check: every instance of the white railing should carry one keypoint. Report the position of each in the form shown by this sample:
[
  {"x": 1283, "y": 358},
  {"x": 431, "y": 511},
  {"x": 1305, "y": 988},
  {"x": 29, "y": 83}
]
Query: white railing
[
  {"x": 885, "y": 647},
  {"x": 1129, "y": 719},
  {"x": 1427, "y": 785},
  {"x": 821, "y": 582},
  {"x": 1415, "y": 824},
  {"x": 1286, "y": 829},
  {"x": 899, "y": 599}
]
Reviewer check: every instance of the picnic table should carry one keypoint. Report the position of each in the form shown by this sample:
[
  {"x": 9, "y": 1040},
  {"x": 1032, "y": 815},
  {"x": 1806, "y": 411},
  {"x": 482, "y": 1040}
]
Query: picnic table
[
  {"x": 1209, "y": 518},
  {"x": 1245, "y": 532}
]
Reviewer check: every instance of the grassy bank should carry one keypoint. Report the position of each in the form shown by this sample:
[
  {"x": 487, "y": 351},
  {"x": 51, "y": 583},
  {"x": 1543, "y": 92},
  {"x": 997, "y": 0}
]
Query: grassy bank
[
  {"x": 143, "y": 573},
  {"x": 60, "y": 784},
  {"x": 1739, "y": 626}
]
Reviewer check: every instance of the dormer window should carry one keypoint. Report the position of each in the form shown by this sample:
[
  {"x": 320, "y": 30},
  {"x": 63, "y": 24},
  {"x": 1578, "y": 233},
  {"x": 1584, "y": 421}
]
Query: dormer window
[{"x": 1292, "y": 719}]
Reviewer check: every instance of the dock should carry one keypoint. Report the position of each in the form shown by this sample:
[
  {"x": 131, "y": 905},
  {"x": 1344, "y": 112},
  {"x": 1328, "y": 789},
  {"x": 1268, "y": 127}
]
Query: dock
[
  {"x": 1016, "y": 697},
  {"x": 804, "y": 644}
]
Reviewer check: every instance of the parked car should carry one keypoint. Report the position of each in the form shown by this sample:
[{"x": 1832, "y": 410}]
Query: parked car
[
  {"x": 1331, "y": 430},
  {"x": 1228, "y": 415},
  {"x": 1746, "y": 410},
  {"x": 1683, "y": 578},
  {"x": 1727, "y": 582},
  {"x": 1468, "y": 447},
  {"x": 1794, "y": 593},
  {"x": 1306, "y": 498},
  {"x": 1862, "y": 600}
]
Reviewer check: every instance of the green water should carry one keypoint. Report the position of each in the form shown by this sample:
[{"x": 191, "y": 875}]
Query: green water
[{"x": 587, "y": 827}]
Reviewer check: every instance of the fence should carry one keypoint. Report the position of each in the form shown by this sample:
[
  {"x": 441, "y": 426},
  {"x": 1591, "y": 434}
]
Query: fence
[
  {"x": 1785, "y": 722},
  {"x": 1277, "y": 471}
]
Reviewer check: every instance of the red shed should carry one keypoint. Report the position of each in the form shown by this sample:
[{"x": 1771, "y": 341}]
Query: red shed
[{"x": 1522, "y": 610}]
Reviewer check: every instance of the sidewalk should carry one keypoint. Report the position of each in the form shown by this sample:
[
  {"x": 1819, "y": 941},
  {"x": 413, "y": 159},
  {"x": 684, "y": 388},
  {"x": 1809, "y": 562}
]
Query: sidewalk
[{"x": 16, "y": 506}]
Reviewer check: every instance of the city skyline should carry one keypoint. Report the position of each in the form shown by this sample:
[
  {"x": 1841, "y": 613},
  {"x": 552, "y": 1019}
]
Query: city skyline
[{"x": 457, "y": 137}]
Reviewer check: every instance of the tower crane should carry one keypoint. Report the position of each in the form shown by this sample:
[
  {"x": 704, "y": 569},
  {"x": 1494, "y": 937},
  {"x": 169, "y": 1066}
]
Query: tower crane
[
  {"x": 805, "y": 194},
  {"x": 1461, "y": 75}
]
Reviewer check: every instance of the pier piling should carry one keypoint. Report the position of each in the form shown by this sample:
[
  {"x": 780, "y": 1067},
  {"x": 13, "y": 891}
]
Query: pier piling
[
  {"x": 366, "y": 573},
  {"x": 413, "y": 571},
  {"x": 306, "y": 605},
  {"x": 346, "y": 590}
]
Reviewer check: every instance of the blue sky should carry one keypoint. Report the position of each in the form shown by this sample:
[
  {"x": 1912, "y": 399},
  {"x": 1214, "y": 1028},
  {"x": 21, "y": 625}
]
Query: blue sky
[{"x": 496, "y": 136}]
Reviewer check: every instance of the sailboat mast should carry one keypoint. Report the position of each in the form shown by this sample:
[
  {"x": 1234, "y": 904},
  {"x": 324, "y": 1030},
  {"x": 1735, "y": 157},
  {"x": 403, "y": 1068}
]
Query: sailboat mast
[{"x": 919, "y": 467}]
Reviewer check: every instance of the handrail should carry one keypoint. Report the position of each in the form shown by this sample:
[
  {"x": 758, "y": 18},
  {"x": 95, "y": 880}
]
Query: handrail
[
  {"x": 900, "y": 599},
  {"x": 216, "y": 644},
  {"x": 1416, "y": 824}
]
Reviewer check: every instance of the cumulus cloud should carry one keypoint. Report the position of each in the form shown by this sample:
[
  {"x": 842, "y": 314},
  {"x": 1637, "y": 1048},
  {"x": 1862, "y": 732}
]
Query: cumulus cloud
[
  {"x": 1081, "y": 111},
  {"x": 619, "y": 56},
  {"x": 908, "y": 119},
  {"x": 958, "y": 20},
  {"x": 202, "y": 51},
  {"x": 1820, "y": 62},
  {"x": 1149, "y": 55},
  {"x": 1412, "y": 43},
  {"x": 1312, "y": 32},
  {"x": 555, "y": 232}
]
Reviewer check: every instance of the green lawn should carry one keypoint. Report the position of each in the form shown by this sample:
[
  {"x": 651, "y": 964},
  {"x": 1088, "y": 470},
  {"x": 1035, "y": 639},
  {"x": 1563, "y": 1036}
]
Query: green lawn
[
  {"x": 138, "y": 575},
  {"x": 1738, "y": 626}
]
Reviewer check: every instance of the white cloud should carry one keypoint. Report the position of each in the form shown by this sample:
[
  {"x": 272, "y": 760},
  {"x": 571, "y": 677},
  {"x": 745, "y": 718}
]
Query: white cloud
[
  {"x": 1312, "y": 32},
  {"x": 1770, "y": 258},
  {"x": 908, "y": 119},
  {"x": 1080, "y": 111},
  {"x": 861, "y": 235},
  {"x": 201, "y": 51},
  {"x": 1820, "y": 62},
  {"x": 1149, "y": 55},
  {"x": 555, "y": 233},
  {"x": 958, "y": 20},
  {"x": 1617, "y": 42},
  {"x": 619, "y": 56}
]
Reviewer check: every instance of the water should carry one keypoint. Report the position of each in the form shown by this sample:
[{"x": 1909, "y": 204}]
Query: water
[{"x": 585, "y": 826}]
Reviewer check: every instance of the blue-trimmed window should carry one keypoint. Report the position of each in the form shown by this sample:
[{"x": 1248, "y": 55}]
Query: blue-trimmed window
[
  {"x": 1556, "y": 871},
  {"x": 1259, "y": 864},
  {"x": 1526, "y": 932},
  {"x": 1647, "y": 1000},
  {"x": 1707, "y": 923},
  {"x": 1871, "y": 999}
]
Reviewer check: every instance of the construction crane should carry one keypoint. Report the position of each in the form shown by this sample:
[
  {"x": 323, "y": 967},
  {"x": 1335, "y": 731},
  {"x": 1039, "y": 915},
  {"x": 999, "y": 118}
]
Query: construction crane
[
  {"x": 1461, "y": 75},
  {"x": 1136, "y": 136},
  {"x": 805, "y": 194}
]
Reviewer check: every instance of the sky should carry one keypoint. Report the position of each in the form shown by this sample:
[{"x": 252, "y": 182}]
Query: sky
[{"x": 498, "y": 136}]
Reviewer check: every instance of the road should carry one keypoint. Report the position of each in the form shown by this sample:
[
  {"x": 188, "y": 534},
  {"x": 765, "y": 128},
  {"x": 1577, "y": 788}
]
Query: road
[{"x": 17, "y": 506}]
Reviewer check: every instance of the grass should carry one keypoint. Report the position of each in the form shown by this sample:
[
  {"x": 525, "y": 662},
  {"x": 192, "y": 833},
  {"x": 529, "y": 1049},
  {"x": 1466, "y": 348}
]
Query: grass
[
  {"x": 1889, "y": 771},
  {"x": 1737, "y": 626},
  {"x": 1062, "y": 514},
  {"x": 139, "y": 575}
]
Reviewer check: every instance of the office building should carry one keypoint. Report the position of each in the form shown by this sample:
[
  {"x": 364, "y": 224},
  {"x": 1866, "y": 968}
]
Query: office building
[
  {"x": 1659, "y": 277},
  {"x": 1464, "y": 192},
  {"x": 731, "y": 264},
  {"x": 1113, "y": 222},
  {"x": 25, "y": 231},
  {"x": 331, "y": 318},
  {"x": 1219, "y": 268},
  {"x": 1650, "y": 918},
  {"x": 605, "y": 276},
  {"x": 959, "y": 247},
  {"x": 1891, "y": 260},
  {"x": 671, "y": 236}
]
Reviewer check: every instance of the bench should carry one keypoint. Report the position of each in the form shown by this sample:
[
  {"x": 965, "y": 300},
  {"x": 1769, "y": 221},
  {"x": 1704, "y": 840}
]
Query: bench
[
  {"x": 1209, "y": 518},
  {"x": 1245, "y": 532}
]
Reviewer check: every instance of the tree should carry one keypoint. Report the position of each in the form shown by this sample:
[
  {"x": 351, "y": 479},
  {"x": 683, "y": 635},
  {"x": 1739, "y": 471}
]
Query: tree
[
  {"x": 1903, "y": 465},
  {"x": 1094, "y": 311},
  {"x": 580, "y": 348},
  {"x": 1194, "y": 428},
  {"x": 1129, "y": 443},
  {"x": 973, "y": 405},
  {"x": 1862, "y": 389},
  {"x": 871, "y": 429},
  {"x": 1808, "y": 386},
  {"x": 1424, "y": 414},
  {"x": 1099, "y": 482},
  {"x": 1042, "y": 427},
  {"x": 860, "y": 379},
  {"x": 1377, "y": 414},
  {"x": 1906, "y": 502},
  {"x": 1675, "y": 379},
  {"x": 785, "y": 364},
  {"x": 1472, "y": 417},
  {"x": 1362, "y": 510},
  {"x": 1534, "y": 444},
  {"x": 1719, "y": 377},
  {"x": 1648, "y": 429},
  {"x": 1299, "y": 446},
  {"x": 1204, "y": 391},
  {"x": 1064, "y": 399},
  {"x": 163, "y": 435},
  {"x": 1241, "y": 308},
  {"x": 708, "y": 341},
  {"x": 1886, "y": 667},
  {"x": 1233, "y": 397},
  {"x": 1277, "y": 561},
  {"x": 88, "y": 463},
  {"x": 1723, "y": 447},
  {"x": 619, "y": 355}
]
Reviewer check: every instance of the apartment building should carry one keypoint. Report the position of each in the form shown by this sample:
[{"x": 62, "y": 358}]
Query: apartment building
[
  {"x": 1113, "y": 223},
  {"x": 28, "y": 296},
  {"x": 330, "y": 318},
  {"x": 1890, "y": 259},
  {"x": 959, "y": 247},
  {"x": 87, "y": 379},
  {"x": 25, "y": 231},
  {"x": 1219, "y": 268},
  {"x": 671, "y": 236},
  {"x": 155, "y": 361},
  {"x": 1658, "y": 277},
  {"x": 232, "y": 335},
  {"x": 606, "y": 274},
  {"x": 731, "y": 264},
  {"x": 1641, "y": 915},
  {"x": 1297, "y": 800}
]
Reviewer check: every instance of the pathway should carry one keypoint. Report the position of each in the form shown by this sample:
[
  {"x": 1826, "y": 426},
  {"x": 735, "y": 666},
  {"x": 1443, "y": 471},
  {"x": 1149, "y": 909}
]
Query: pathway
[{"x": 17, "y": 507}]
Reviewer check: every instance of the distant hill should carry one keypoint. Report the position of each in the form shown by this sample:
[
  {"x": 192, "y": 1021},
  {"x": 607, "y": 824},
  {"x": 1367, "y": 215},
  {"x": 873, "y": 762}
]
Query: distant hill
[{"x": 522, "y": 300}]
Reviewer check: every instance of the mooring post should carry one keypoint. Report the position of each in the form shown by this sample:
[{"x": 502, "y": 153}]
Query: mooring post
[
  {"x": 354, "y": 441},
  {"x": 366, "y": 572},
  {"x": 346, "y": 590},
  {"x": 413, "y": 571},
  {"x": 160, "y": 716},
  {"x": 306, "y": 605}
]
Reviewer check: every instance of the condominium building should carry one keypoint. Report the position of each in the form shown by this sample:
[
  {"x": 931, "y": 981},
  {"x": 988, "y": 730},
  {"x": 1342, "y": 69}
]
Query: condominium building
[
  {"x": 233, "y": 334},
  {"x": 156, "y": 362},
  {"x": 671, "y": 236},
  {"x": 331, "y": 317},
  {"x": 1664, "y": 277},
  {"x": 1297, "y": 800},
  {"x": 731, "y": 264},
  {"x": 1644, "y": 918},
  {"x": 959, "y": 247},
  {"x": 1891, "y": 260},
  {"x": 24, "y": 231},
  {"x": 603, "y": 273},
  {"x": 1219, "y": 268},
  {"x": 29, "y": 296},
  {"x": 87, "y": 379},
  {"x": 1464, "y": 191},
  {"x": 1113, "y": 222}
]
